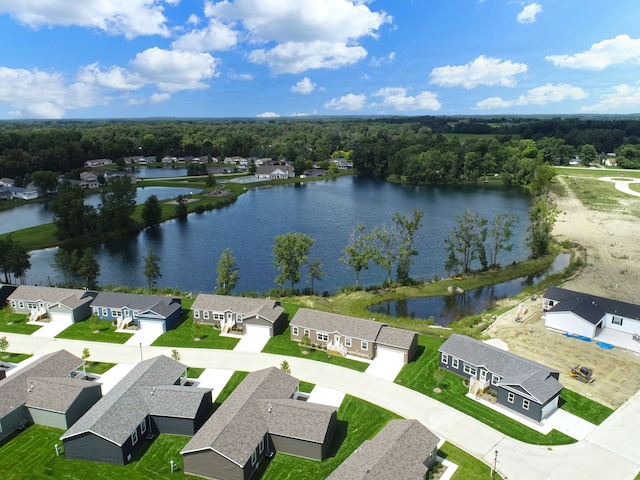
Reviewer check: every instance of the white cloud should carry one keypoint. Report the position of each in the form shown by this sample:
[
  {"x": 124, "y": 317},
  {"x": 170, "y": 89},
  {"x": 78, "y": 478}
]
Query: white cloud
[
  {"x": 130, "y": 18},
  {"x": 307, "y": 34},
  {"x": 293, "y": 57},
  {"x": 601, "y": 55},
  {"x": 529, "y": 13},
  {"x": 116, "y": 78},
  {"x": 347, "y": 102},
  {"x": 36, "y": 94},
  {"x": 304, "y": 86},
  {"x": 267, "y": 115},
  {"x": 300, "y": 114},
  {"x": 160, "y": 97},
  {"x": 193, "y": 19},
  {"x": 245, "y": 77},
  {"x": 397, "y": 98},
  {"x": 378, "y": 61},
  {"x": 543, "y": 95},
  {"x": 173, "y": 70},
  {"x": 216, "y": 36},
  {"x": 624, "y": 98},
  {"x": 481, "y": 71}
]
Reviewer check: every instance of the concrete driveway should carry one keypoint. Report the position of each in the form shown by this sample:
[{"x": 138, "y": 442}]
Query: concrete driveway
[
  {"x": 144, "y": 337},
  {"x": 50, "y": 329},
  {"x": 251, "y": 343},
  {"x": 112, "y": 376},
  {"x": 326, "y": 396},
  {"x": 215, "y": 379},
  {"x": 384, "y": 368}
]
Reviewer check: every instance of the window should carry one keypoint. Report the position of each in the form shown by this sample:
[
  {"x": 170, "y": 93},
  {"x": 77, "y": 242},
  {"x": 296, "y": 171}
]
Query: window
[
  {"x": 205, "y": 314},
  {"x": 470, "y": 370},
  {"x": 13, "y": 304},
  {"x": 496, "y": 379},
  {"x": 294, "y": 330},
  {"x": 616, "y": 320},
  {"x": 511, "y": 397},
  {"x": 218, "y": 316},
  {"x": 196, "y": 314},
  {"x": 143, "y": 426},
  {"x": 21, "y": 305},
  {"x": 117, "y": 313},
  {"x": 525, "y": 404},
  {"x": 364, "y": 345},
  {"x": 254, "y": 458},
  {"x": 134, "y": 437},
  {"x": 307, "y": 332},
  {"x": 104, "y": 312},
  {"x": 31, "y": 305},
  {"x": 445, "y": 358},
  {"x": 323, "y": 337},
  {"x": 239, "y": 318},
  {"x": 261, "y": 446},
  {"x": 347, "y": 342},
  {"x": 455, "y": 363}
]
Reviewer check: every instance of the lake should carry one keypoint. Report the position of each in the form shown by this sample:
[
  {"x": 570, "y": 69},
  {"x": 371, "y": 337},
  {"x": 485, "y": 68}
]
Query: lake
[{"x": 326, "y": 210}]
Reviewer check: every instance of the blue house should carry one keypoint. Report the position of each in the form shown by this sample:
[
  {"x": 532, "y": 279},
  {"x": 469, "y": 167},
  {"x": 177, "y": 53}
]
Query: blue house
[{"x": 147, "y": 312}]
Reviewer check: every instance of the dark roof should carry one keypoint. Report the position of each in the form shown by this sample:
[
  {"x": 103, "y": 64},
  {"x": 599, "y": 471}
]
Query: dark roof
[
  {"x": 173, "y": 400},
  {"x": 13, "y": 389},
  {"x": 163, "y": 306},
  {"x": 126, "y": 405},
  {"x": 261, "y": 402},
  {"x": 536, "y": 379},
  {"x": 399, "y": 451},
  {"x": 590, "y": 307},
  {"x": 55, "y": 394},
  {"x": 270, "y": 310}
]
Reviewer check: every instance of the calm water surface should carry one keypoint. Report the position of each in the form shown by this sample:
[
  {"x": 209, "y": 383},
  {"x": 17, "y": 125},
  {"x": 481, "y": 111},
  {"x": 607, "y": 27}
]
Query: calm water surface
[{"x": 326, "y": 210}]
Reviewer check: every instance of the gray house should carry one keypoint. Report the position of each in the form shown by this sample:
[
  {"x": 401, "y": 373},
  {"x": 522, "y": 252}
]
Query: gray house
[
  {"x": 53, "y": 304},
  {"x": 521, "y": 385},
  {"x": 50, "y": 391},
  {"x": 147, "y": 312},
  {"x": 250, "y": 316},
  {"x": 344, "y": 335},
  {"x": 150, "y": 399},
  {"x": 260, "y": 417},
  {"x": 403, "y": 449}
]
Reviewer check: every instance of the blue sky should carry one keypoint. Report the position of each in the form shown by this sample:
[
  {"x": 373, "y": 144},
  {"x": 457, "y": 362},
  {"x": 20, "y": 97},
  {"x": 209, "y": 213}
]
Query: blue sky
[{"x": 280, "y": 58}]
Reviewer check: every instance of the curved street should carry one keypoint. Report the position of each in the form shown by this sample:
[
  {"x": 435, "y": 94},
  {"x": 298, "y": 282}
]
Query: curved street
[{"x": 610, "y": 451}]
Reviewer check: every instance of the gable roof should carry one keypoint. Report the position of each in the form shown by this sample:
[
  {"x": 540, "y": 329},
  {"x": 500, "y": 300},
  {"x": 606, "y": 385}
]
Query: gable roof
[
  {"x": 270, "y": 310},
  {"x": 396, "y": 337},
  {"x": 69, "y": 297},
  {"x": 163, "y": 306},
  {"x": 535, "y": 379},
  {"x": 590, "y": 307},
  {"x": 55, "y": 394},
  {"x": 335, "y": 323},
  {"x": 124, "y": 407},
  {"x": 399, "y": 450},
  {"x": 14, "y": 388}
]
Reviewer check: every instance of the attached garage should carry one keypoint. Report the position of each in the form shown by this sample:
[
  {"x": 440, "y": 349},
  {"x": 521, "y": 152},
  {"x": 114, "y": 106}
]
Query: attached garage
[
  {"x": 389, "y": 354},
  {"x": 62, "y": 317},
  {"x": 152, "y": 325},
  {"x": 257, "y": 330}
]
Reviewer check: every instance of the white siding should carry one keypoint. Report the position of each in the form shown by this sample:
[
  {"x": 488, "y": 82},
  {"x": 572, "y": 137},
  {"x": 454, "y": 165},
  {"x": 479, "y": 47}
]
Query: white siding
[{"x": 569, "y": 322}]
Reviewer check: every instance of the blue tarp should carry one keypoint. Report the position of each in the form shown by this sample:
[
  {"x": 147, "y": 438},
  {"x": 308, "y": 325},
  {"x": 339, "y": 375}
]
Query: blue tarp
[
  {"x": 604, "y": 345},
  {"x": 579, "y": 337}
]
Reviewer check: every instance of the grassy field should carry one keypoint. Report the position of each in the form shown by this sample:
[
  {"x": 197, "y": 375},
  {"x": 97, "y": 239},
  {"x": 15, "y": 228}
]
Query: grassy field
[
  {"x": 14, "y": 357},
  {"x": 584, "y": 407},
  {"x": 596, "y": 194},
  {"x": 16, "y": 323},
  {"x": 183, "y": 336},
  {"x": 98, "y": 367},
  {"x": 94, "y": 332}
]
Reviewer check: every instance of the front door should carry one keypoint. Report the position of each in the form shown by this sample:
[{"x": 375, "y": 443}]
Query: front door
[
  {"x": 483, "y": 375},
  {"x": 336, "y": 339}
]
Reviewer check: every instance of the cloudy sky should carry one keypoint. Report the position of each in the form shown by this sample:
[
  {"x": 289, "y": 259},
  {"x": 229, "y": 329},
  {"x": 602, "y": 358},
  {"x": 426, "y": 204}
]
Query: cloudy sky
[{"x": 269, "y": 58}]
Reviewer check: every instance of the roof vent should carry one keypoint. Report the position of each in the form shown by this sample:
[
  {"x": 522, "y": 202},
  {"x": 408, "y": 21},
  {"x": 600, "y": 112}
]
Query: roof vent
[
  {"x": 153, "y": 390},
  {"x": 269, "y": 408}
]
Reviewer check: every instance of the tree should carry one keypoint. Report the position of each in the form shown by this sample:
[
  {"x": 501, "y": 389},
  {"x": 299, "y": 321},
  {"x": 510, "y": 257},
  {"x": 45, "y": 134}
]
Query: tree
[
  {"x": 406, "y": 227},
  {"x": 4, "y": 346},
  {"x": 118, "y": 204},
  {"x": 88, "y": 268},
  {"x": 438, "y": 376},
  {"x": 69, "y": 211},
  {"x": 152, "y": 268},
  {"x": 466, "y": 242},
  {"x": 253, "y": 168},
  {"x": 544, "y": 173},
  {"x": 14, "y": 260},
  {"x": 182, "y": 206},
  {"x": 62, "y": 263},
  {"x": 290, "y": 253},
  {"x": 284, "y": 366},
  {"x": 228, "y": 273},
  {"x": 85, "y": 354},
  {"x": 195, "y": 329},
  {"x": 211, "y": 179},
  {"x": 500, "y": 234},
  {"x": 45, "y": 181},
  {"x": 175, "y": 355},
  {"x": 315, "y": 272},
  {"x": 151, "y": 211},
  {"x": 542, "y": 217},
  {"x": 358, "y": 252},
  {"x": 385, "y": 249}
]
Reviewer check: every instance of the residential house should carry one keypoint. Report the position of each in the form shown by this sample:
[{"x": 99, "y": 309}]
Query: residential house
[
  {"x": 251, "y": 316},
  {"x": 150, "y": 399},
  {"x": 22, "y": 193},
  {"x": 5, "y": 291},
  {"x": 89, "y": 180},
  {"x": 5, "y": 194},
  {"x": 147, "y": 312},
  {"x": 260, "y": 417},
  {"x": 99, "y": 162},
  {"x": 344, "y": 335},
  {"x": 274, "y": 172},
  {"x": 50, "y": 391},
  {"x": 108, "y": 176},
  {"x": 6, "y": 182},
  {"x": 342, "y": 163},
  {"x": 587, "y": 315},
  {"x": 521, "y": 385},
  {"x": 403, "y": 449},
  {"x": 53, "y": 304}
]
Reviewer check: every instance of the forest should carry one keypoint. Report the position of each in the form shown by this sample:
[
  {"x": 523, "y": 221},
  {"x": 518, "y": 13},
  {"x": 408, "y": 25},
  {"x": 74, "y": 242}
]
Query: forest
[{"x": 412, "y": 149}]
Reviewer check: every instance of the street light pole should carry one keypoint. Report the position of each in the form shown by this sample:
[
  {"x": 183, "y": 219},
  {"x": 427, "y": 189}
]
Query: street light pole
[
  {"x": 141, "y": 359},
  {"x": 495, "y": 463}
]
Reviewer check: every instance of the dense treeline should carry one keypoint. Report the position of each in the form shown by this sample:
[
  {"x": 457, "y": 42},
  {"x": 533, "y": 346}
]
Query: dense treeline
[{"x": 412, "y": 147}]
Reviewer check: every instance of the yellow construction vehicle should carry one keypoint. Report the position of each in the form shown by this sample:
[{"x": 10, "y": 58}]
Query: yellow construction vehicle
[{"x": 582, "y": 373}]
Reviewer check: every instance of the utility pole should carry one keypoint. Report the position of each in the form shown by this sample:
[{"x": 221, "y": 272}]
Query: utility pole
[{"x": 495, "y": 463}]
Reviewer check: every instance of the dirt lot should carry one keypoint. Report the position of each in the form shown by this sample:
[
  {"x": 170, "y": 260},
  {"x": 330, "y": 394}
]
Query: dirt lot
[{"x": 612, "y": 270}]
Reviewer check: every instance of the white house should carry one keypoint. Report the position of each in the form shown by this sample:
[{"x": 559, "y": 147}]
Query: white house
[
  {"x": 587, "y": 315},
  {"x": 274, "y": 172}
]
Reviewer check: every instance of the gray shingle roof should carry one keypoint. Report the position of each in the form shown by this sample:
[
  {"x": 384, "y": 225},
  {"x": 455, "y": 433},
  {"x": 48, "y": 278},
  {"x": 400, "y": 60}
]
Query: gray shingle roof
[
  {"x": 55, "y": 394},
  {"x": 13, "y": 389},
  {"x": 124, "y": 407},
  {"x": 237, "y": 427},
  {"x": 248, "y": 307},
  {"x": 173, "y": 400},
  {"x": 297, "y": 419},
  {"x": 396, "y": 337},
  {"x": 536, "y": 379},
  {"x": 333, "y": 323},
  {"x": 590, "y": 307},
  {"x": 164, "y": 306},
  {"x": 398, "y": 451},
  {"x": 69, "y": 297}
]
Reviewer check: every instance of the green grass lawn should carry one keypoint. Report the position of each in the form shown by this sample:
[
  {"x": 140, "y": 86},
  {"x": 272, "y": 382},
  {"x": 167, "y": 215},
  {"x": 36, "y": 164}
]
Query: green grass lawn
[
  {"x": 469, "y": 467},
  {"x": 14, "y": 357},
  {"x": 193, "y": 372},
  {"x": 306, "y": 387},
  {"x": 282, "y": 345},
  {"x": 15, "y": 323},
  {"x": 584, "y": 407},
  {"x": 85, "y": 331},
  {"x": 419, "y": 375},
  {"x": 183, "y": 336},
  {"x": 98, "y": 367},
  {"x": 231, "y": 385},
  {"x": 30, "y": 455}
]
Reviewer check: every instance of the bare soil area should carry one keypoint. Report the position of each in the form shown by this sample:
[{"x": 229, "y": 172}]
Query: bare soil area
[{"x": 612, "y": 270}]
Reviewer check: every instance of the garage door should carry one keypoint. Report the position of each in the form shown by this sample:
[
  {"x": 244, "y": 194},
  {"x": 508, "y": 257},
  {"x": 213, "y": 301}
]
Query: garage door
[
  {"x": 152, "y": 325},
  {"x": 60, "y": 317},
  {"x": 257, "y": 330},
  {"x": 390, "y": 355}
]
